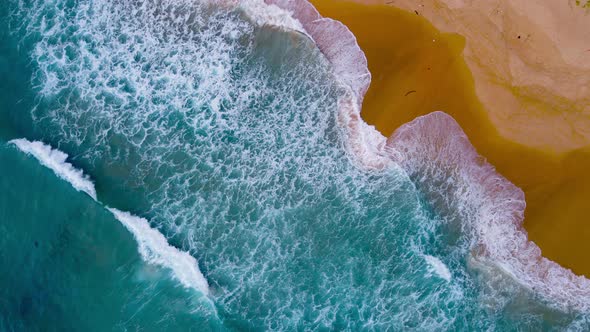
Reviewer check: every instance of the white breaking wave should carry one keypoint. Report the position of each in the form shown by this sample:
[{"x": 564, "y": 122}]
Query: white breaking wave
[
  {"x": 56, "y": 161},
  {"x": 438, "y": 267},
  {"x": 265, "y": 14},
  {"x": 339, "y": 45},
  {"x": 154, "y": 249},
  {"x": 153, "y": 246}
]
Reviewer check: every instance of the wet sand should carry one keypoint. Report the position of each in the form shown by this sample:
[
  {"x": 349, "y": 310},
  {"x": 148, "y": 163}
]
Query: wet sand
[{"x": 524, "y": 105}]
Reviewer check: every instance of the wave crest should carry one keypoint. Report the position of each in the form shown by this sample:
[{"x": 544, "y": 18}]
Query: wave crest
[
  {"x": 153, "y": 246},
  {"x": 56, "y": 161},
  {"x": 154, "y": 249},
  {"x": 337, "y": 43},
  {"x": 438, "y": 156}
]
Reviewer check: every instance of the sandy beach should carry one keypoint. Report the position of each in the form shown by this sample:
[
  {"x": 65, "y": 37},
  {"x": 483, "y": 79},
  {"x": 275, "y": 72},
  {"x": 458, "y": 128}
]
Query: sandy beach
[{"x": 516, "y": 77}]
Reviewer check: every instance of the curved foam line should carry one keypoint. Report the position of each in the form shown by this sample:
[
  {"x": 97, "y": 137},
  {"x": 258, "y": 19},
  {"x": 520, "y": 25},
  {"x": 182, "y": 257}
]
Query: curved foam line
[
  {"x": 340, "y": 47},
  {"x": 275, "y": 16},
  {"x": 152, "y": 245},
  {"x": 56, "y": 161},
  {"x": 491, "y": 205},
  {"x": 337, "y": 43},
  {"x": 154, "y": 249},
  {"x": 437, "y": 154}
]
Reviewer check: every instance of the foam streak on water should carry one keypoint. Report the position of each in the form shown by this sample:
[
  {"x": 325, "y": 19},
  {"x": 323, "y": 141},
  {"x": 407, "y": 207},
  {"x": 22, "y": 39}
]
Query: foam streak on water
[
  {"x": 154, "y": 249},
  {"x": 339, "y": 46}
]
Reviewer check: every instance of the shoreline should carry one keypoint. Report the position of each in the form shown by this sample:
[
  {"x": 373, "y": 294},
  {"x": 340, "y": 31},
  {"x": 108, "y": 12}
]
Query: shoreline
[
  {"x": 435, "y": 148},
  {"x": 454, "y": 79}
]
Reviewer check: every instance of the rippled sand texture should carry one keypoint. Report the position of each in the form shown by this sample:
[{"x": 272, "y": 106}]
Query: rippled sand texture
[{"x": 531, "y": 119}]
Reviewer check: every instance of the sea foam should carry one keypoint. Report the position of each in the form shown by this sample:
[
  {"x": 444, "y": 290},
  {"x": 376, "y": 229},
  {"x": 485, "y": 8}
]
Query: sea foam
[
  {"x": 264, "y": 14},
  {"x": 154, "y": 249},
  {"x": 438, "y": 156},
  {"x": 438, "y": 267},
  {"x": 340, "y": 47}
]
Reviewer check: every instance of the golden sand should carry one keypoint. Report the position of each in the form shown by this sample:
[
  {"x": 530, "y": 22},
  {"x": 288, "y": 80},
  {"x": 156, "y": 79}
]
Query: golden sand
[{"x": 531, "y": 123}]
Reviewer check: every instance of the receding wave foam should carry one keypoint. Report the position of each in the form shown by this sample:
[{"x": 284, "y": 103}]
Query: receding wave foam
[
  {"x": 154, "y": 249},
  {"x": 336, "y": 42},
  {"x": 262, "y": 14},
  {"x": 438, "y": 267},
  {"x": 439, "y": 157},
  {"x": 56, "y": 161},
  {"x": 436, "y": 153},
  {"x": 153, "y": 246}
]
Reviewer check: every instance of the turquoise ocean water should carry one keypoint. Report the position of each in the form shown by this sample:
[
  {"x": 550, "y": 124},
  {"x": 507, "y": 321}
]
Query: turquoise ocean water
[{"x": 221, "y": 133}]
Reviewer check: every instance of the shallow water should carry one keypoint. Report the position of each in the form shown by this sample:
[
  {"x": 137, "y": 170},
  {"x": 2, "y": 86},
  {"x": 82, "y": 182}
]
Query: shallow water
[
  {"x": 223, "y": 134},
  {"x": 417, "y": 70}
]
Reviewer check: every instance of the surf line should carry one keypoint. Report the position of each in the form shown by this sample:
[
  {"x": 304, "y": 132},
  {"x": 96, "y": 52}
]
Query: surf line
[{"x": 152, "y": 245}]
